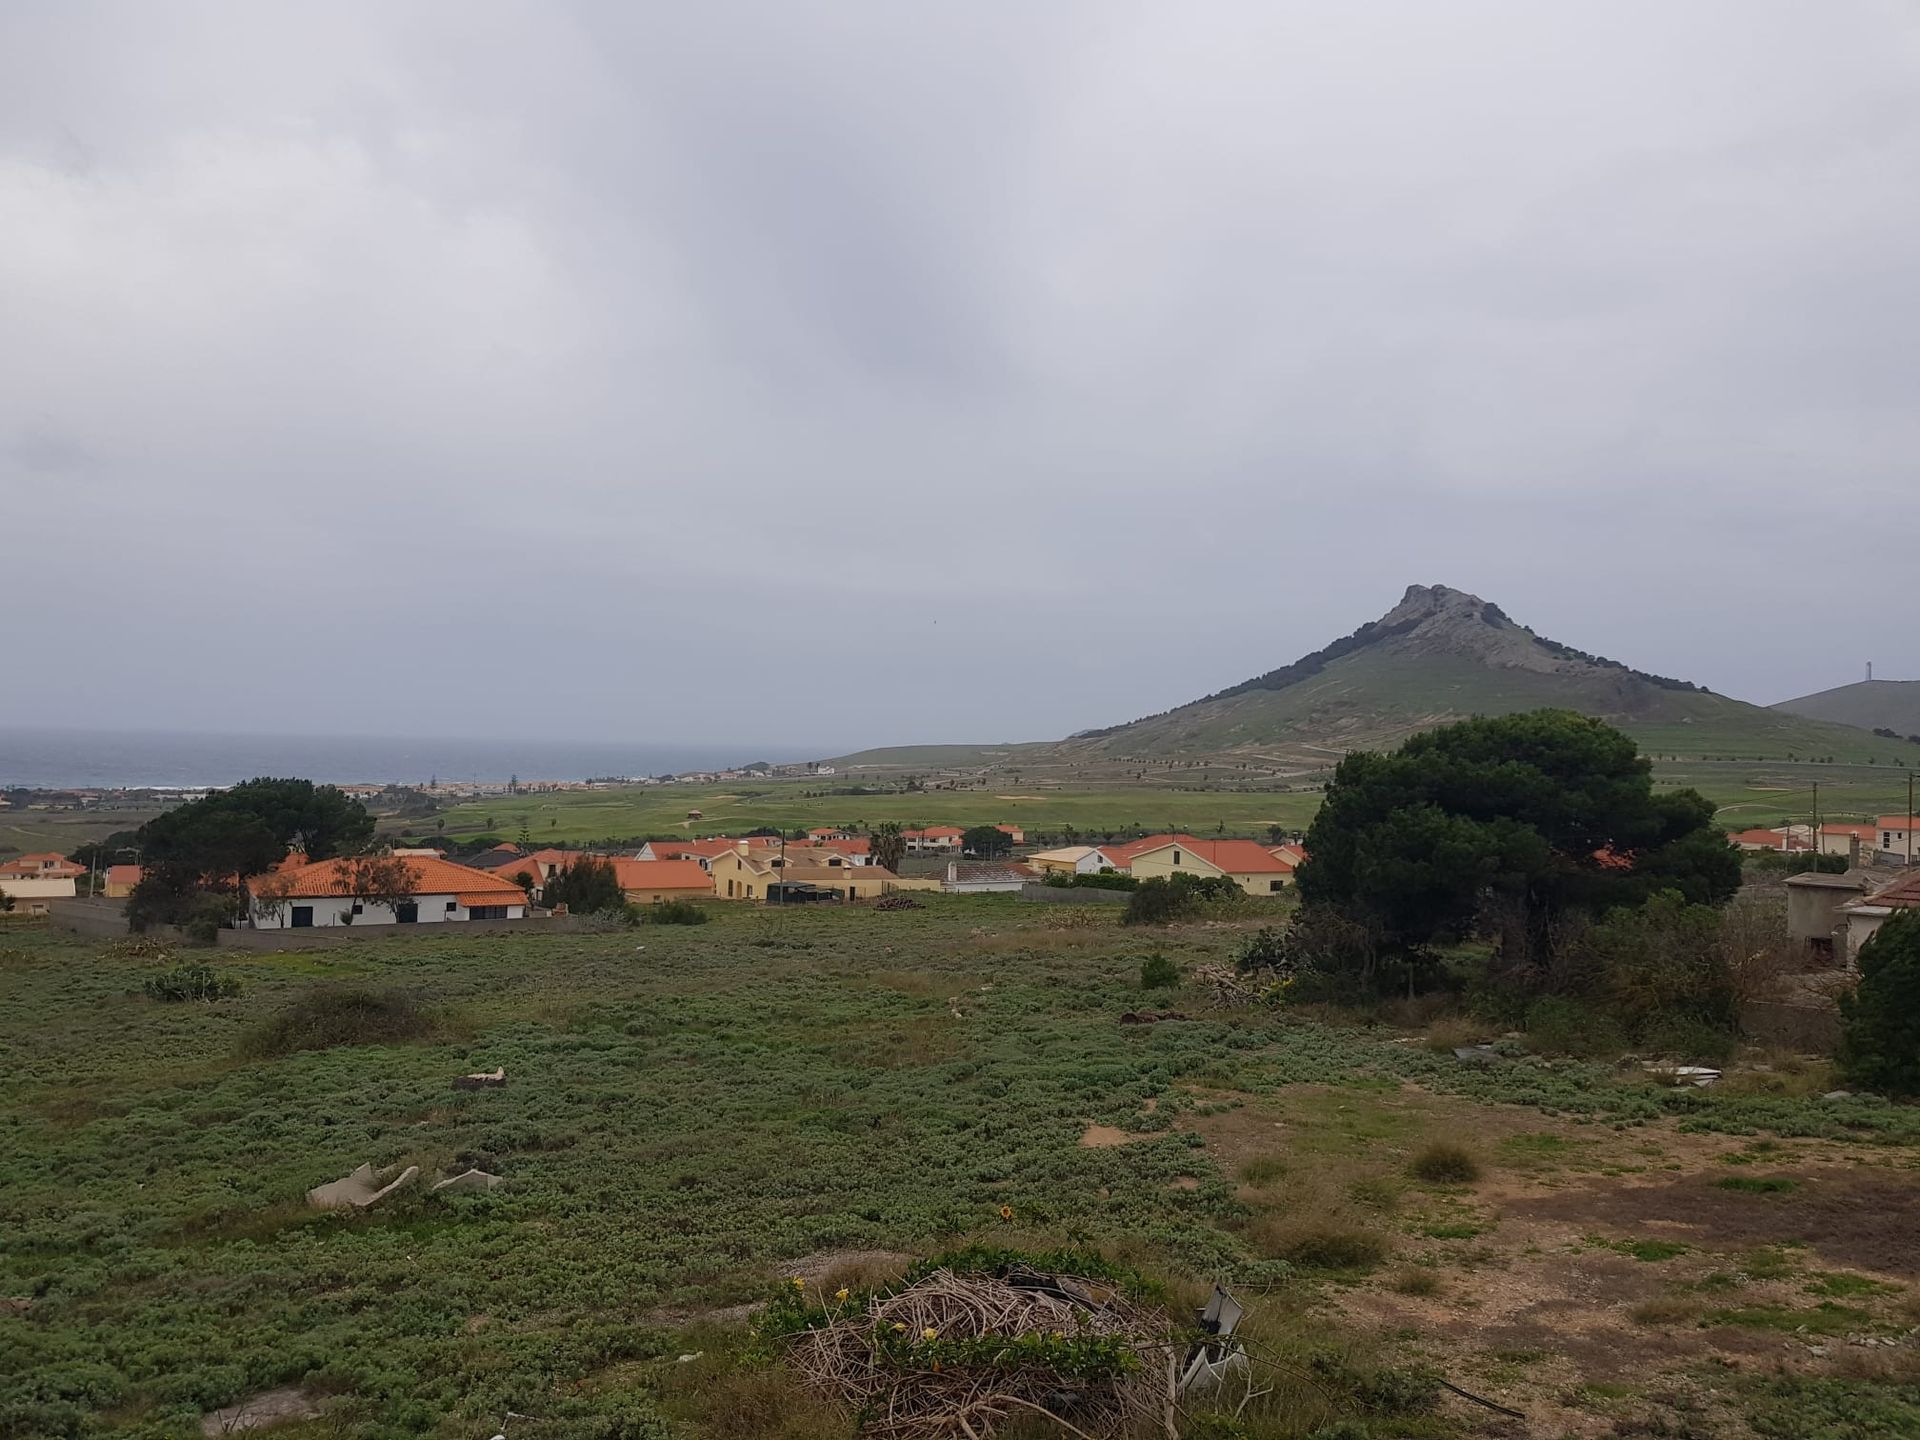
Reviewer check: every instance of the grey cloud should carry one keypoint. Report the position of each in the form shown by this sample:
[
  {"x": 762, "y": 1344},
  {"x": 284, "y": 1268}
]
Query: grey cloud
[{"x": 645, "y": 332}]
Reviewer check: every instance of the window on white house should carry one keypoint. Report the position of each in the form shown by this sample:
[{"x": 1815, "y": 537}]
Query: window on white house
[
  {"x": 357, "y": 907},
  {"x": 453, "y": 905}
]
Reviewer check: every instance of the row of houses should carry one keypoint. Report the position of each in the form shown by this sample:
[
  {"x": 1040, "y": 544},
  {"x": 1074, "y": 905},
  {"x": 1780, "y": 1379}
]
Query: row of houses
[
  {"x": 1893, "y": 839},
  {"x": 1257, "y": 869}
]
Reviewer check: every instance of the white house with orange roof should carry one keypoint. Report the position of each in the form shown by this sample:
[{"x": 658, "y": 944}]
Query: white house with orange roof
[
  {"x": 933, "y": 840},
  {"x": 1899, "y": 837},
  {"x": 320, "y": 895}
]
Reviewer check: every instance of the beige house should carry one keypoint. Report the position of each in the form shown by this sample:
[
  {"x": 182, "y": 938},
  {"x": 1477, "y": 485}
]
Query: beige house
[
  {"x": 1899, "y": 837},
  {"x": 35, "y": 896},
  {"x": 1251, "y": 866},
  {"x": 1072, "y": 860}
]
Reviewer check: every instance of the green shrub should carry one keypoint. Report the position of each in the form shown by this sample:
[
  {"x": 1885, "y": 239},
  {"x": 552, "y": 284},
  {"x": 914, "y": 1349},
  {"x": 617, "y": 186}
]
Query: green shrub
[
  {"x": 1880, "y": 1036},
  {"x": 1157, "y": 972},
  {"x": 342, "y": 1015},
  {"x": 1163, "y": 900},
  {"x": 676, "y": 912},
  {"x": 1265, "y": 949},
  {"x": 1557, "y": 1025},
  {"x": 1104, "y": 880},
  {"x": 1445, "y": 1163},
  {"x": 190, "y": 982}
]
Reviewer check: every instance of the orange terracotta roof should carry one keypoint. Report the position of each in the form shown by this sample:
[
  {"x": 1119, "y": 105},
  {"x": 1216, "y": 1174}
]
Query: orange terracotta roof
[
  {"x": 851, "y": 846},
  {"x": 123, "y": 874},
  {"x": 44, "y": 866},
  {"x": 492, "y": 897},
  {"x": 430, "y": 877},
  {"x": 662, "y": 875},
  {"x": 1899, "y": 822},
  {"x": 1236, "y": 857},
  {"x": 1122, "y": 854},
  {"x": 1865, "y": 832}
]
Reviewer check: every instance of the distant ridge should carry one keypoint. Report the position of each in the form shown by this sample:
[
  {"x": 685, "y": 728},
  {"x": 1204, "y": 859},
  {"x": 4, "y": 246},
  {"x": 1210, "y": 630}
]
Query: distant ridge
[{"x": 1870, "y": 704}]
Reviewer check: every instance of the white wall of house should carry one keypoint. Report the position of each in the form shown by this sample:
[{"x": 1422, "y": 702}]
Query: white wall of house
[
  {"x": 1893, "y": 844},
  {"x": 330, "y": 910},
  {"x": 33, "y": 897}
]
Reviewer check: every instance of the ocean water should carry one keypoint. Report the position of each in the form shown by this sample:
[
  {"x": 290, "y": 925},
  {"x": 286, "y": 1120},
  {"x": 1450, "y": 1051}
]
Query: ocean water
[{"x": 54, "y": 759}]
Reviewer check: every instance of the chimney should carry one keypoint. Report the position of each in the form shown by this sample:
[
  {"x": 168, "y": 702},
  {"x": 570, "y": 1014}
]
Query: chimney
[
  {"x": 743, "y": 846},
  {"x": 953, "y": 871},
  {"x": 1853, "y": 851}
]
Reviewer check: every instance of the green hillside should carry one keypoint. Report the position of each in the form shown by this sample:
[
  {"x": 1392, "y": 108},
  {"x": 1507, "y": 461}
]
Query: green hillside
[
  {"x": 1869, "y": 704},
  {"x": 1437, "y": 656}
]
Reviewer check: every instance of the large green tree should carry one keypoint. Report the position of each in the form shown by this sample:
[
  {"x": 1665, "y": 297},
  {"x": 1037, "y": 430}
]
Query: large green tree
[
  {"x": 1534, "y": 815},
  {"x": 1880, "y": 1044},
  {"x": 987, "y": 841},
  {"x": 220, "y": 841}
]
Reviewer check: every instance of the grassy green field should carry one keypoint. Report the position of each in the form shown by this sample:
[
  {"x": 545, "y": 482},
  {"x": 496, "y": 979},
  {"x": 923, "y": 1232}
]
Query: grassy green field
[
  {"x": 692, "y": 1114},
  {"x": 1747, "y": 792},
  {"x": 575, "y": 815}
]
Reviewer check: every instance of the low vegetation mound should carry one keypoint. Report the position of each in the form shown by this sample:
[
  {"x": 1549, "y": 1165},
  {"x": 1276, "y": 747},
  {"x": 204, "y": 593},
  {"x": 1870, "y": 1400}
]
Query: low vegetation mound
[
  {"x": 1445, "y": 1163},
  {"x": 675, "y": 912},
  {"x": 342, "y": 1015},
  {"x": 190, "y": 982}
]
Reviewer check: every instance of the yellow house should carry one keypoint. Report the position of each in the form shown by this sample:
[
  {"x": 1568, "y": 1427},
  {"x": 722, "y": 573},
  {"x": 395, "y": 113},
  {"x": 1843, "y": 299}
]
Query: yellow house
[
  {"x": 1252, "y": 867},
  {"x": 746, "y": 874},
  {"x": 1073, "y": 860},
  {"x": 120, "y": 881}
]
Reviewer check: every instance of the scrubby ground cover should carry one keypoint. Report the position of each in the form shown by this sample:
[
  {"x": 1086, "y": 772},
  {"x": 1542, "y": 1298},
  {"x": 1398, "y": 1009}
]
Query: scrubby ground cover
[{"x": 693, "y": 1113}]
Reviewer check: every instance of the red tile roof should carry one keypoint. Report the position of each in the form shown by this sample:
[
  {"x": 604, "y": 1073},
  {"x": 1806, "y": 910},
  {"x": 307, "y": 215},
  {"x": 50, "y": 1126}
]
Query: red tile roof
[
  {"x": 123, "y": 874},
  {"x": 662, "y": 875},
  {"x": 1865, "y": 832},
  {"x": 1122, "y": 854},
  {"x": 46, "y": 865},
  {"x": 1238, "y": 857},
  {"x": 1899, "y": 822},
  {"x": 853, "y": 846},
  {"x": 1902, "y": 894},
  {"x": 430, "y": 877}
]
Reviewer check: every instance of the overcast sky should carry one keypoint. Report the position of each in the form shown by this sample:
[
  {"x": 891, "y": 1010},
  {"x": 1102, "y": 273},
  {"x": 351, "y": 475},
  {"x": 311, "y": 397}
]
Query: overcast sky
[{"x": 862, "y": 373}]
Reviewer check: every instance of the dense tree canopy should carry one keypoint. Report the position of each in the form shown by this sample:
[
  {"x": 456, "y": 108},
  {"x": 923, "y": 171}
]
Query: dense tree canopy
[
  {"x": 988, "y": 841},
  {"x": 1880, "y": 1045},
  {"x": 1546, "y": 812},
  {"x": 585, "y": 886},
  {"x": 220, "y": 841}
]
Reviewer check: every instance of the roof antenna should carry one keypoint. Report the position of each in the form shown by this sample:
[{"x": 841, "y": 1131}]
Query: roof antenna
[{"x": 1869, "y": 672}]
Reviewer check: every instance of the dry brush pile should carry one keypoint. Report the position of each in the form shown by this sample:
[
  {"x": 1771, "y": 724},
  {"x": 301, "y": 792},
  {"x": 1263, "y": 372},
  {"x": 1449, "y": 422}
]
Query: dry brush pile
[{"x": 955, "y": 1354}]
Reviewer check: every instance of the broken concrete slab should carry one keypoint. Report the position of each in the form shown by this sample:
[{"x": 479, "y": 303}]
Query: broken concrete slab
[
  {"x": 482, "y": 1080},
  {"x": 469, "y": 1182},
  {"x": 1475, "y": 1054},
  {"x": 358, "y": 1190}
]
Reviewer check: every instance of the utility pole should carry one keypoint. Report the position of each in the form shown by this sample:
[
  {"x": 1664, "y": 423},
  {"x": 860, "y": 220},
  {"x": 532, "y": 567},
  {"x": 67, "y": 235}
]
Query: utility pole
[
  {"x": 1909, "y": 817},
  {"x": 1818, "y": 844}
]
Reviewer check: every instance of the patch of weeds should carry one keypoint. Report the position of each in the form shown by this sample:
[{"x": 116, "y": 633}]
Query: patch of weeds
[
  {"x": 190, "y": 982},
  {"x": 1768, "y": 1263},
  {"x": 1790, "y": 1407},
  {"x": 1839, "y": 1285},
  {"x": 1263, "y": 1170},
  {"x": 1415, "y": 1281},
  {"x": 1376, "y": 1192},
  {"x": 1453, "y": 1230},
  {"x": 1653, "y": 1252},
  {"x": 1753, "y": 1154},
  {"x": 1757, "y": 1184},
  {"x": 1826, "y": 1318},
  {"x": 1318, "y": 1244},
  {"x": 1665, "y": 1310},
  {"x": 1445, "y": 1163}
]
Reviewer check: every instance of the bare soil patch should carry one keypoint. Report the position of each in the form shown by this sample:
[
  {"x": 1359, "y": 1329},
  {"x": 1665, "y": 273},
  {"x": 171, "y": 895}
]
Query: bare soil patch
[{"x": 1102, "y": 1137}]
